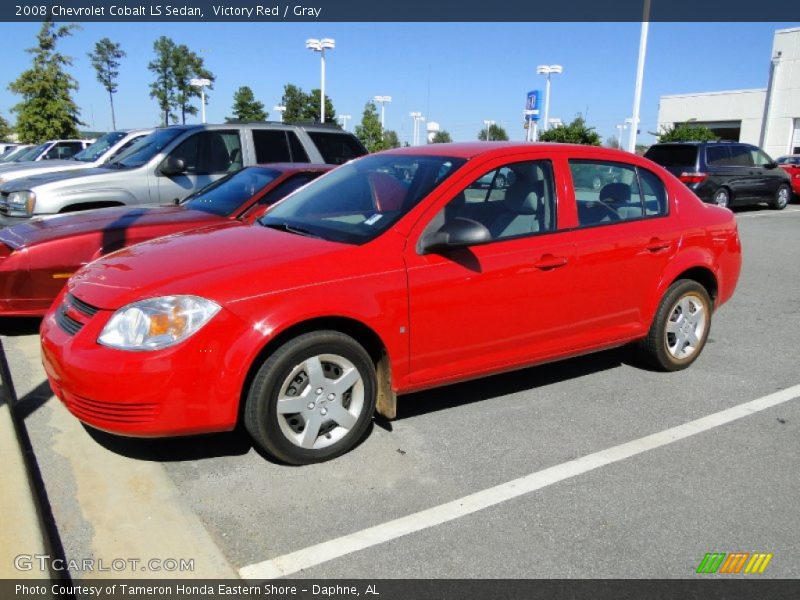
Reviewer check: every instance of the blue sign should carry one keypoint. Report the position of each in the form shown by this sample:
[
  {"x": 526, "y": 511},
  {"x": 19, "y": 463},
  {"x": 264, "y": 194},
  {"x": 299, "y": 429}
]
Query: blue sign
[{"x": 532, "y": 104}]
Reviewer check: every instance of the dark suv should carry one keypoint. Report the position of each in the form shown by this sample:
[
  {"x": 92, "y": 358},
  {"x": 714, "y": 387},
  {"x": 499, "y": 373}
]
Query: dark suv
[{"x": 725, "y": 173}]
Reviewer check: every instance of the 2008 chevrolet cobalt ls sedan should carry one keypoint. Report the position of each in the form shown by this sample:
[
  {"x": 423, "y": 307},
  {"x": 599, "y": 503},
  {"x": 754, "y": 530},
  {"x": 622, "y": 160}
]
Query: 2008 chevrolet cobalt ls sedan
[{"x": 397, "y": 272}]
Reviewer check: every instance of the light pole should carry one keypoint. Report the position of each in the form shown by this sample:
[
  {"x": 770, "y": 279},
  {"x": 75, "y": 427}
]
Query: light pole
[
  {"x": 202, "y": 84},
  {"x": 280, "y": 109},
  {"x": 634, "y": 131},
  {"x": 530, "y": 132},
  {"x": 620, "y": 128},
  {"x": 418, "y": 118},
  {"x": 344, "y": 119},
  {"x": 547, "y": 71},
  {"x": 320, "y": 46},
  {"x": 637, "y": 91},
  {"x": 488, "y": 124},
  {"x": 382, "y": 100}
]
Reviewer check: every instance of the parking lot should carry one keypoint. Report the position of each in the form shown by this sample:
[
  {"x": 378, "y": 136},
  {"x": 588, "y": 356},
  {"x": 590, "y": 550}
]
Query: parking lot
[{"x": 404, "y": 504}]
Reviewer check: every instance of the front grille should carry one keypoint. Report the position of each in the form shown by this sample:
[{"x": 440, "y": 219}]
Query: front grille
[
  {"x": 73, "y": 314},
  {"x": 96, "y": 410},
  {"x": 4, "y": 203},
  {"x": 67, "y": 323}
]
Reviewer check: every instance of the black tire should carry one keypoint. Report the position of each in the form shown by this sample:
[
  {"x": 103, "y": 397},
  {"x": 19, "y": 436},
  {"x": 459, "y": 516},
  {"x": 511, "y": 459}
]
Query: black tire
[
  {"x": 782, "y": 197},
  {"x": 267, "y": 427},
  {"x": 654, "y": 349},
  {"x": 722, "y": 197}
]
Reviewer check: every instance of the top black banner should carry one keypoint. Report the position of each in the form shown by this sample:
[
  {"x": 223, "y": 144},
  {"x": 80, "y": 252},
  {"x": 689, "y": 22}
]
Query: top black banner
[{"x": 400, "y": 11}]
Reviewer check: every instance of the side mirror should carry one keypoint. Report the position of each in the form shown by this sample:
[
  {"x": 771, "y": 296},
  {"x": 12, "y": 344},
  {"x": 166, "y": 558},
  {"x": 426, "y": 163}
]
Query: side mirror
[
  {"x": 771, "y": 165},
  {"x": 458, "y": 233},
  {"x": 173, "y": 166}
]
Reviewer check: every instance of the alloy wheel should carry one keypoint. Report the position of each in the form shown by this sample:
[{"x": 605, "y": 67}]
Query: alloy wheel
[{"x": 685, "y": 327}]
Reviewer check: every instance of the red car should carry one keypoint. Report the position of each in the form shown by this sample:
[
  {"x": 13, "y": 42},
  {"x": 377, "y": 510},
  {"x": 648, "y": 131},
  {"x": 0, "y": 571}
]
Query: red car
[
  {"x": 791, "y": 164},
  {"x": 396, "y": 272},
  {"x": 37, "y": 257}
]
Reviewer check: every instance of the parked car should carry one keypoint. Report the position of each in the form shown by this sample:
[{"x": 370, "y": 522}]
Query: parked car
[
  {"x": 172, "y": 163},
  {"x": 725, "y": 173},
  {"x": 51, "y": 150},
  {"x": 592, "y": 176},
  {"x": 363, "y": 285},
  {"x": 14, "y": 154},
  {"x": 6, "y": 146},
  {"x": 106, "y": 147},
  {"x": 791, "y": 164},
  {"x": 37, "y": 257}
]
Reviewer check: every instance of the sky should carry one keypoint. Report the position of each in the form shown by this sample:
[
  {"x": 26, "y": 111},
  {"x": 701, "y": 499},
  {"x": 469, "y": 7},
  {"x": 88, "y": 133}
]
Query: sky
[{"x": 456, "y": 74}]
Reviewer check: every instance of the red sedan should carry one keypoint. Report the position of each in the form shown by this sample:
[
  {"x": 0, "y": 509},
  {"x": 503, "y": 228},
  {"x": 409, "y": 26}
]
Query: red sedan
[
  {"x": 791, "y": 164},
  {"x": 396, "y": 272},
  {"x": 37, "y": 257}
]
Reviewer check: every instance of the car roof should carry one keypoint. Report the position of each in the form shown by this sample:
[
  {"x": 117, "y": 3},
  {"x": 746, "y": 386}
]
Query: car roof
[{"x": 469, "y": 150}]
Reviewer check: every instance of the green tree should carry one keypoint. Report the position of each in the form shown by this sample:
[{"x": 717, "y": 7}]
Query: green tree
[
  {"x": 5, "y": 130},
  {"x": 370, "y": 131},
  {"x": 390, "y": 139},
  {"x": 612, "y": 142},
  {"x": 686, "y": 132},
  {"x": 441, "y": 137},
  {"x": 47, "y": 109},
  {"x": 313, "y": 112},
  {"x": 163, "y": 88},
  {"x": 576, "y": 132},
  {"x": 305, "y": 107},
  {"x": 246, "y": 107},
  {"x": 105, "y": 60},
  {"x": 496, "y": 133},
  {"x": 187, "y": 65}
]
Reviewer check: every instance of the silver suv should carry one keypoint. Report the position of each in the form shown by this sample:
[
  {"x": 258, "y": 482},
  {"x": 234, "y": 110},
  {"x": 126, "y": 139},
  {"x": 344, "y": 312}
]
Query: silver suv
[
  {"x": 106, "y": 147},
  {"x": 171, "y": 163}
]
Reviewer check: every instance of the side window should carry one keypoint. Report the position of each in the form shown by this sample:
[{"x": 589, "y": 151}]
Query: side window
[
  {"x": 741, "y": 156},
  {"x": 68, "y": 149},
  {"x": 336, "y": 148},
  {"x": 286, "y": 188},
  {"x": 605, "y": 192},
  {"x": 299, "y": 154},
  {"x": 717, "y": 156},
  {"x": 271, "y": 146},
  {"x": 210, "y": 152},
  {"x": 515, "y": 200},
  {"x": 654, "y": 194},
  {"x": 759, "y": 158}
]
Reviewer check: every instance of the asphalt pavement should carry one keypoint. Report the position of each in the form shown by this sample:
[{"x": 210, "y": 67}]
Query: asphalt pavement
[{"x": 401, "y": 503}]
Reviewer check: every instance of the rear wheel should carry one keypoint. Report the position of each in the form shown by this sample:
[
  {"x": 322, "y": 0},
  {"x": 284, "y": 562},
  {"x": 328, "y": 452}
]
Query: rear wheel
[
  {"x": 782, "y": 197},
  {"x": 722, "y": 197},
  {"x": 312, "y": 399},
  {"x": 680, "y": 328}
]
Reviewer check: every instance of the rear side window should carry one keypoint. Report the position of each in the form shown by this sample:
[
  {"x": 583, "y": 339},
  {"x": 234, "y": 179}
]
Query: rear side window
[
  {"x": 653, "y": 192},
  {"x": 673, "y": 155},
  {"x": 336, "y": 148},
  {"x": 717, "y": 156},
  {"x": 741, "y": 156},
  {"x": 278, "y": 145},
  {"x": 210, "y": 152}
]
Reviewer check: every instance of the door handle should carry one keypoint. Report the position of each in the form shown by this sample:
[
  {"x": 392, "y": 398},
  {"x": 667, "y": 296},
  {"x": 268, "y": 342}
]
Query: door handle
[
  {"x": 549, "y": 262},
  {"x": 657, "y": 245}
]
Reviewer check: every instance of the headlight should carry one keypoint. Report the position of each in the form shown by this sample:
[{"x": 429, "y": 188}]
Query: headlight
[
  {"x": 21, "y": 204},
  {"x": 157, "y": 323}
]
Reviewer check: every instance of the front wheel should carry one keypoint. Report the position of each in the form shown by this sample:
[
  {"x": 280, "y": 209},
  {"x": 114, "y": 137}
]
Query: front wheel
[
  {"x": 680, "y": 327},
  {"x": 312, "y": 399},
  {"x": 782, "y": 197}
]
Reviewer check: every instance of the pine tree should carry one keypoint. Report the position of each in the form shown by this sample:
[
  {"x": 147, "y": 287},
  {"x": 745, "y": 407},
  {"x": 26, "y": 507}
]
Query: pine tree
[
  {"x": 105, "y": 60},
  {"x": 441, "y": 137},
  {"x": 163, "y": 88},
  {"x": 47, "y": 110},
  {"x": 187, "y": 65},
  {"x": 496, "y": 133},
  {"x": 390, "y": 139},
  {"x": 246, "y": 107},
  {"x": 305, "y": 107},
  {"x": 369, "y": 131}
]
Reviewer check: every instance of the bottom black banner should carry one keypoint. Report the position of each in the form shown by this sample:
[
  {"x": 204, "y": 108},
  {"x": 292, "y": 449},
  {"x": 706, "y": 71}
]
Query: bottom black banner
[{"x": 404, "y": 589}]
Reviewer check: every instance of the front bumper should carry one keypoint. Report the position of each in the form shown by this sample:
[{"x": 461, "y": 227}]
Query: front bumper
[{"x": 190, "y": 388}]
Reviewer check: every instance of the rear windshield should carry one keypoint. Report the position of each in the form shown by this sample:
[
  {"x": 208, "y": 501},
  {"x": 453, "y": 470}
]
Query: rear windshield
[
  {"x": 336, "y": 148},
  {"x": 673, "y": 155}
]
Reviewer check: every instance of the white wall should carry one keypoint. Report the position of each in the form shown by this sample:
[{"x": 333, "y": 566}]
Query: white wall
[{"x": 785, "y": 102}]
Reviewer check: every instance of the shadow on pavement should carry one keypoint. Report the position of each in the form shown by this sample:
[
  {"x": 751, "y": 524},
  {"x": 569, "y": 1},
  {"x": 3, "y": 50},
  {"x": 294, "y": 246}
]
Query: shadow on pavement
[{"x": 17, "y": 326}]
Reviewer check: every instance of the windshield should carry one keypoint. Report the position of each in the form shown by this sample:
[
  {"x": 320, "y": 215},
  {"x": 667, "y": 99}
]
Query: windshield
[
  {"x": 12, "y": 153},
  {"x": 31, "y": 153},
  {"x": 146, "y": 148},
  {"x": 360, "y": 200},
  {"x": 226, "y": 195},
  {"x": 100, "y": 147}
]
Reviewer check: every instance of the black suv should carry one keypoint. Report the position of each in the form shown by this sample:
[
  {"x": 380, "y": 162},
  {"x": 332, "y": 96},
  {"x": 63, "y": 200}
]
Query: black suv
[{"x": 725, "y": 173}]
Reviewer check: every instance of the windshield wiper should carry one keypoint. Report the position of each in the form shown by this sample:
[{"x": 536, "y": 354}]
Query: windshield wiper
[{"x": 289, "y": 229}]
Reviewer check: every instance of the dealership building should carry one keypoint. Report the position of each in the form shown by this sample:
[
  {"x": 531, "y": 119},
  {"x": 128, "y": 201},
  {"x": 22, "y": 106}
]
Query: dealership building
[{"x": 769, "y": 118}]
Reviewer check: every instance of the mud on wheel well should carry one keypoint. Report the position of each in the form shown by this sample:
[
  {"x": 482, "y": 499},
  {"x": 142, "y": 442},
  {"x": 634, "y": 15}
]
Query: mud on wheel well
[
  {"x": 704, "y": 277},
  {"x": 365, "y": 336}
]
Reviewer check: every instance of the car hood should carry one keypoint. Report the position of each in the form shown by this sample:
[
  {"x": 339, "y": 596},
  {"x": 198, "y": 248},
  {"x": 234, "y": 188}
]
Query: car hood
[
  {"x": 32, "y": 181},
  {"x": 40, "y": 168},
  {"x": 44, "y": 229},
  {"x": 225, "y": 263}
]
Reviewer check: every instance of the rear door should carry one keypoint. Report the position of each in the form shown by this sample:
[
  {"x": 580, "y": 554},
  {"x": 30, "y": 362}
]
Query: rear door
[{"x": 744, "y": 179}]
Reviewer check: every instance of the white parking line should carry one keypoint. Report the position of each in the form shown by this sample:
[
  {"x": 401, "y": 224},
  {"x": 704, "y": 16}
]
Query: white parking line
[
  {"x": 320, "y": 553},
  {"x": 769, "y": 214}
]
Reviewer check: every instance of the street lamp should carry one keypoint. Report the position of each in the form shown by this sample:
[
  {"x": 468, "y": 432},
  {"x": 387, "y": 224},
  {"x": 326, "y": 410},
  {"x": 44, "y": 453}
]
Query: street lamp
[
  {"x": 620, "y": 128},
  {"x": 344, "y": 119},
  {"x": 637, "y": 90},
  {"x": 555, "y": 122},
  {"x": 202, "y": 84},
  {"x": 280, "y": 109},
  {"x": 382, "y": 100},
  {"x": 547, "y": 71},
  {"x": 488, "y": 124},
  {"x": 634, "y": 131},
  {"x": 320, "y": 46},
  {"x": 530, "y": 132},
  {"x": 418, "y": 118}
]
